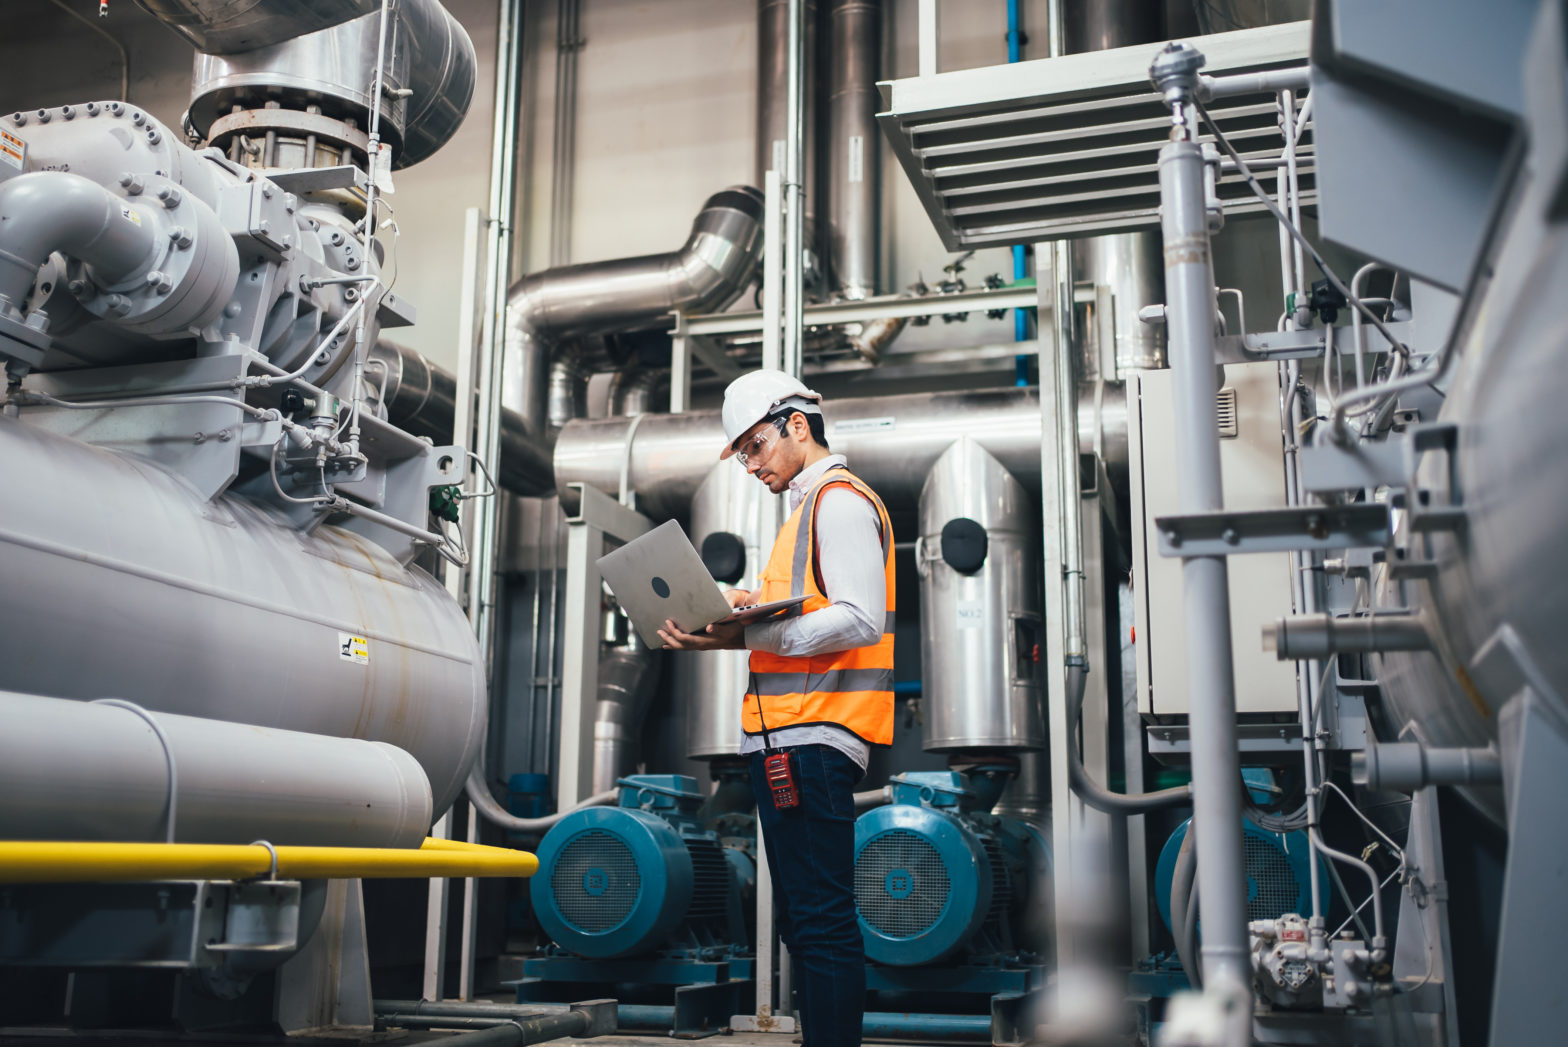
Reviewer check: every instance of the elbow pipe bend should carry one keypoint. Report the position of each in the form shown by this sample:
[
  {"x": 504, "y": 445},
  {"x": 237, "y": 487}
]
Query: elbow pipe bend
[
  {"x": 715, "y": 265},
  {"x": 1092, "y": 792},
  {"x": 48, "y": 211},
  {"x": 479, "y": 795}
]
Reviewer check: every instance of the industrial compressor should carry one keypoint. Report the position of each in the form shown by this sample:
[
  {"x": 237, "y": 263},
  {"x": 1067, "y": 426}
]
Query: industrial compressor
[
  {"x": 938, "y": 880},
  {"x": 643, "y": 879}
]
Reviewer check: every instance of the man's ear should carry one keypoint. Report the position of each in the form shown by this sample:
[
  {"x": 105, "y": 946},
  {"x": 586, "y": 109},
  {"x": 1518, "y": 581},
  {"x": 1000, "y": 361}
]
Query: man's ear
[{"x": 798, "y": 424}]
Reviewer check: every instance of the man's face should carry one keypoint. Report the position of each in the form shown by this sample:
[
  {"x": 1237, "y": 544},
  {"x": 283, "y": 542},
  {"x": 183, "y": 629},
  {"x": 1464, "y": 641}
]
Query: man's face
[{"x": 772, "y": 450}]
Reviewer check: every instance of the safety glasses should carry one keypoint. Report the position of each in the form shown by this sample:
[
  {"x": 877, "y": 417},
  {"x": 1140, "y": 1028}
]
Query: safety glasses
[{"x": 760, "y": 441}]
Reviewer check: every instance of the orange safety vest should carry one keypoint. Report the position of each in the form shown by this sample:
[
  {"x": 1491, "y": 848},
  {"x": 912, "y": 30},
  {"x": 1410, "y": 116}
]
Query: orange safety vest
[{"x": 851, "y": 689}]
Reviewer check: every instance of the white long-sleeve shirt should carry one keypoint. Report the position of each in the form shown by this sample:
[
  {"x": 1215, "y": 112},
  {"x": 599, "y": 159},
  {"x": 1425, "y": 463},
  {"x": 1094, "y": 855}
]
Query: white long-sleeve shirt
[{"x": 849, "y": 556}]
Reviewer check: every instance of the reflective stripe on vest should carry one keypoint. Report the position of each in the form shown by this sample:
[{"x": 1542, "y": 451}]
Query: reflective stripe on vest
[{"x": 852, "y": 689}]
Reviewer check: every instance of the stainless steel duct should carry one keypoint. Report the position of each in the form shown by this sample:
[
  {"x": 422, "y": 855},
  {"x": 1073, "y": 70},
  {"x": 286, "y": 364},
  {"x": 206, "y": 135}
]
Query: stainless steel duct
[
  {"x": 715, "y": 265},
  {"x": 421, "y": 398},
  {"x": 773, "y": 98},
  {"x": 982, "y": 631},
  {"x": 317, "y": 85},
  {"x": 854, "y": 145},
  {"x": 1130, "y": 264},
  {"x": 73, "y": 770},
  {"x": 891, "y": 441},
  {"x": 628, "y": 674},
  {"x": 224, "y": 27}
]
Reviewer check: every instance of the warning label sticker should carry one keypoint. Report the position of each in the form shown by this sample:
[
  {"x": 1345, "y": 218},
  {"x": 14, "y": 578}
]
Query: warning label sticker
[
  {"x": 13, "y": 150},
  {"x": 131, "y": 215},
  {"x": 353, "y": 648}
]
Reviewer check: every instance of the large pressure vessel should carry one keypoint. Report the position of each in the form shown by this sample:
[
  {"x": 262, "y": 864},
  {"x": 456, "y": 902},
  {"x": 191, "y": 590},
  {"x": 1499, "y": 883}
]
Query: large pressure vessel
[
  {"x": 118, "y": 580},
  {"x": 981, "y": 631}
]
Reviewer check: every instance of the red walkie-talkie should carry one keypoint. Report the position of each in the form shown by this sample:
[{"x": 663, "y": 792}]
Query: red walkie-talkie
[
  {"x": 778, "y": 766},
  {"x": 779, "y": 769}
]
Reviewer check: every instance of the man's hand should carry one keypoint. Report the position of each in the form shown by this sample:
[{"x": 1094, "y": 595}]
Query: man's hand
[
  {"x": 715, "y": 637},
  {"x": 740, "y": 597}
]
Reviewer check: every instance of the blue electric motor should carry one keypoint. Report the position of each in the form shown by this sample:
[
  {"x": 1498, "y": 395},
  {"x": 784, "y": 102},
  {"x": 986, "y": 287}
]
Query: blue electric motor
[
  {"x": 1278, "y": 877},
  {"x": 937, "y": 878},
  {"x": 642, "y": 877}
]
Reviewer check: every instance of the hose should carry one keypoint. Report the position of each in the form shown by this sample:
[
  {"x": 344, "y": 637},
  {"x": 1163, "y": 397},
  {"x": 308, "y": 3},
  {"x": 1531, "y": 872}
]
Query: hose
[
  {"x": 479, "y": 795},
  {"x": 1092, "y": 792},
  {"x": 1184, "y": 908}
]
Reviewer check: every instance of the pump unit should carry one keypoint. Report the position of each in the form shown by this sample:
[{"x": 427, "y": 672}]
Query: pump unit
[
  {"x": 939, "y": 880},
  {"x": 642, "y": 878}
]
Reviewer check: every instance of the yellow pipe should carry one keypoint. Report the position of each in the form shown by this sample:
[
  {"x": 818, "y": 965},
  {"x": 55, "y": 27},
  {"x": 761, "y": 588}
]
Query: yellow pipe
[{"x": 64, "y": 861}]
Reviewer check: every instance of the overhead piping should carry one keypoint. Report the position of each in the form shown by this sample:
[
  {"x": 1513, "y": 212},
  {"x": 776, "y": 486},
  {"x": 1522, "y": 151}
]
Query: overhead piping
[{"x": 544, "y": 310}]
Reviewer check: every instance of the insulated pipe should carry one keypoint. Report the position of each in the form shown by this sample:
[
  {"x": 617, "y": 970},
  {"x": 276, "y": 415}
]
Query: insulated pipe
[
  {"x": 707, "y": 273},
  {"x": 627, "y": 677},
  {"x": 224, "y": 27},
  {"x": 73, "y": 770},
  {"x": 773, "y": 94},
  {"x": 1408, "y": 766},
  {"x": 1190, "y": 307},
  {"x": 854, "y": 146},
  {"x": 420, "y": 397},
  {"x": 428, "y": 79},
  {"x": 1314, "y": 637},
  {"x": 48, "y": 211},
  {"x": 671, "y": 455},
  {"x": 1127, "y": 263},
  {"x": 41, "y": 861}
]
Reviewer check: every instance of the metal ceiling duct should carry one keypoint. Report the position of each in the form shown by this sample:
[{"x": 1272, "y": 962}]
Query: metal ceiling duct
[
  {"x": 224, "y": 27},
  {"x": 319, "y": 83},
  {"x": 891, "y": 441},
  {"x": 707, "y": 273},
  {"x": 854, "y": 145}
]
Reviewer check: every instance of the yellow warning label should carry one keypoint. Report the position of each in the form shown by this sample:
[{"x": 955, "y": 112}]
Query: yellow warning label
[
  {"x": 13, "y": 150},
  {"x": 353, "y": 648},
  {"x": 131, "y": 215}
]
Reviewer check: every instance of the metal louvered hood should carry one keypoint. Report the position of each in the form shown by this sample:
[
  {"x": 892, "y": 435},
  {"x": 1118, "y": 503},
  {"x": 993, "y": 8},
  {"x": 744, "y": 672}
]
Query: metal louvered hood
[{"x": 1065, "y": 147}]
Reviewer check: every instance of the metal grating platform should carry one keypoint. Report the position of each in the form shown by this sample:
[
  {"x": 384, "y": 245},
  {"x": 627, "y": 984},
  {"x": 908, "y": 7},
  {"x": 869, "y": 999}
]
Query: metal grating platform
[{"x": 1064, "y": 147}]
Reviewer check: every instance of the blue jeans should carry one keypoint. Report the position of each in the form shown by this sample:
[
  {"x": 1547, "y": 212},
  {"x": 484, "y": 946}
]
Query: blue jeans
[{"x": 811, "y": 855}]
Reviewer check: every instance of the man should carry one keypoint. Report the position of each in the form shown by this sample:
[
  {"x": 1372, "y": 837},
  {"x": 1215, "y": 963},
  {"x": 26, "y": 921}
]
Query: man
[{"x": 821, "y": 685}]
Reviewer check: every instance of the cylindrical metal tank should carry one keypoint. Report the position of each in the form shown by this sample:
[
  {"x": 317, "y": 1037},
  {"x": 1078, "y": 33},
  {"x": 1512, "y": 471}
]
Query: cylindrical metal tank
[
  {"x": 712, "y": 683},
  {"x": 73, "y": 770},
  {"x": 1499, "y": 578},
  {"x": 981, "y": 630},
  {"x": 118, "y": 580}
]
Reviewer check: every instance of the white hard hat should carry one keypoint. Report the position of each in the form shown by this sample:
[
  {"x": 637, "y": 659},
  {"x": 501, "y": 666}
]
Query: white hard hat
[{"x": 754, "y": 396}]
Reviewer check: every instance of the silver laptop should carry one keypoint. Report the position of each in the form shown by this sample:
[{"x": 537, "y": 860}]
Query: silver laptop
[{"x": 659, "y": 576}]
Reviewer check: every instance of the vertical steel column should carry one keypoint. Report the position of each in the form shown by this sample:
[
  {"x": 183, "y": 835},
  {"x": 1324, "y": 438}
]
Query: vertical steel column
[
  {"x": 927, "y": 37},
  {"x": 462, "y": 434},
  {"x": 854, "y": 152},
  {"x": 1189, "y": 308}
]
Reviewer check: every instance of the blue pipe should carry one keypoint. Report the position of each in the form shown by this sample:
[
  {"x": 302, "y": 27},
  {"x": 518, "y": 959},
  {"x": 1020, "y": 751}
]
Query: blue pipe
[
  {"x": 906, "y": 688},
  {"x": 880, "y": 1025},
  {"x": 1020, "y": 264},
  {"x": 894, "y": 1025}
]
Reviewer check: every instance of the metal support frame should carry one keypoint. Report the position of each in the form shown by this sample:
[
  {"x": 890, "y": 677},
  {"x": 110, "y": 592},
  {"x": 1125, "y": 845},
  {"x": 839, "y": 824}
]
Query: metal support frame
[
  {"x": 1323, "y": 528},
  {"x": 599, "y": 518}
]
